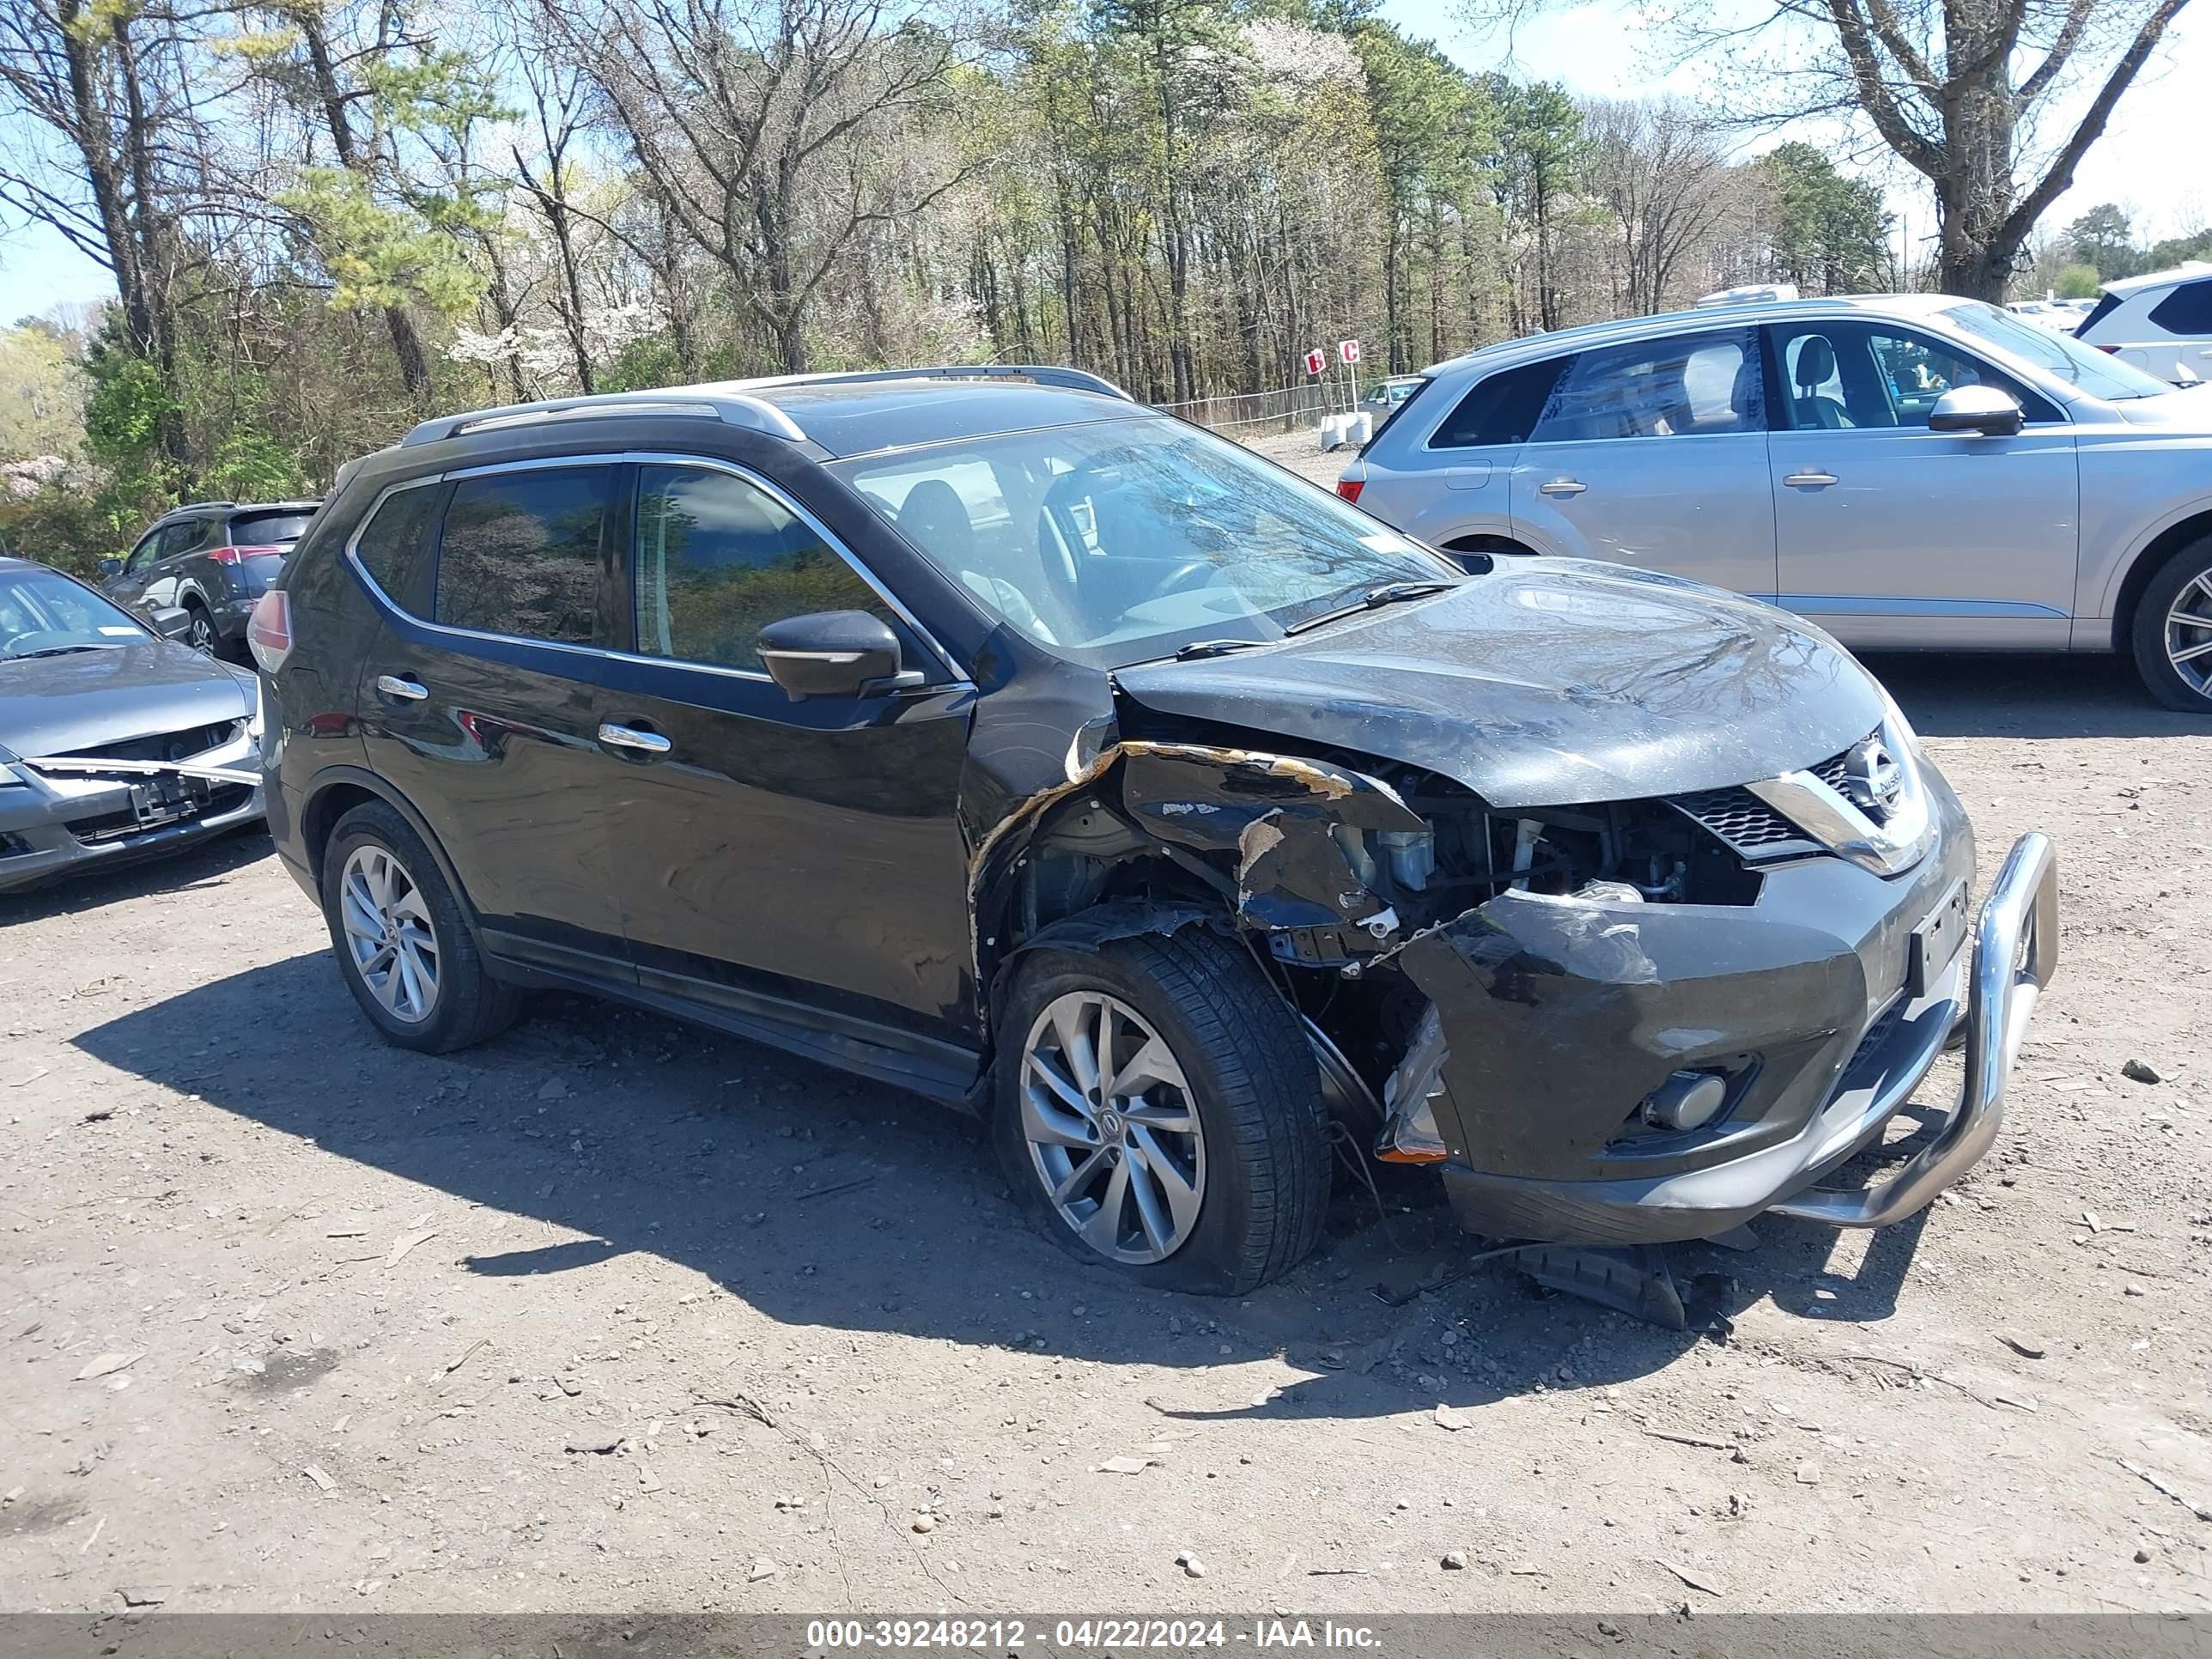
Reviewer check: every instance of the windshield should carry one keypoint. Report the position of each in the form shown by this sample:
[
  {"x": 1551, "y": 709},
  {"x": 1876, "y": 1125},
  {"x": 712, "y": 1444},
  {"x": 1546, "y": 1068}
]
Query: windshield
[
  {"x": 46, "y": 614},
  {"x": 1115, "y": 541},
  {"x": 2096, "y": 374}
]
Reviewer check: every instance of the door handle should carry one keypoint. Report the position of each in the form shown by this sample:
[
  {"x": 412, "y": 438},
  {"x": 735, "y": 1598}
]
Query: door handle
[
  {"x": 406, "y": 688},
  {"x": 628, "y": 737},
  {"x": 1562, "y": 487},
  {"x": 1809, "y": 480}
]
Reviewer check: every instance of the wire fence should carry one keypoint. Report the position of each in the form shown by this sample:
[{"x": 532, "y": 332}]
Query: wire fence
[{"x": 1249, "y": 414}]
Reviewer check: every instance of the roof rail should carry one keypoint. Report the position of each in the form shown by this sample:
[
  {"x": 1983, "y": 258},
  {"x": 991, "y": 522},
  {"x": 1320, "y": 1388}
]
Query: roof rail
[
  {"x": 733, "y": 407},
  {"x": 1078, "y": 379}
]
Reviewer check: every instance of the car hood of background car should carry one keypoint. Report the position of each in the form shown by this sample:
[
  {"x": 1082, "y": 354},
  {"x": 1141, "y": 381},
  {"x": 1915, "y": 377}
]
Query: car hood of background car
[
  {"x": 1547, "y": 682},
  {"x": 60, "y": 705}
]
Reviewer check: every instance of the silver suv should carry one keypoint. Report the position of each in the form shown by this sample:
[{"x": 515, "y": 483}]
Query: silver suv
[{"x": 1908, "y": 471}]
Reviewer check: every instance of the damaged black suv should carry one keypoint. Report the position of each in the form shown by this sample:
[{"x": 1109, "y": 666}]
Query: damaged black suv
[{"x": 988, "y": 734}]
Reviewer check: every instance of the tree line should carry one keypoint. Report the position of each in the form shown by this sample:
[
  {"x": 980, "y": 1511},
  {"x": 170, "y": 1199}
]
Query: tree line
[{"x": 326, "y": 218}]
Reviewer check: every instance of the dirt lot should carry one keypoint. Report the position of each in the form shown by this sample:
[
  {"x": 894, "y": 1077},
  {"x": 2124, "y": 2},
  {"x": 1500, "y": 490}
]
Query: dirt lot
[{"x": 293, "y": 1320}]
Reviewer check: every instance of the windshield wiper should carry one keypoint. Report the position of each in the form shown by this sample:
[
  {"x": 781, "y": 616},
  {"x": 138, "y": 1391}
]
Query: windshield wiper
[
  {"x": 57, "y": 651},
  {"x": 1373, "y": 599},
  {"x": 1212, "y": 648}
]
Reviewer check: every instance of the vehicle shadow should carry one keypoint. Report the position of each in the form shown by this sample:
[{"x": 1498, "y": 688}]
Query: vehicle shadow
[
  {"x": 823, "y": 1199},
  {"x": 177, "y": 873},
  {"x": 1977, "y": 696}
]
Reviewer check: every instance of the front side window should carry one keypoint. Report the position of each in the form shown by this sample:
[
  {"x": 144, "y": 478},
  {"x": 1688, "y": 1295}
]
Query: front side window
[
  {"x": 715, "y": 559},
  {"x": 1844, "y": 376},
  {"x": 519, "y": 554},
  {"x": 145, "y": 553},
  {"x": 1688, "y": 386},
  {"x": 1112, "y": 542}
]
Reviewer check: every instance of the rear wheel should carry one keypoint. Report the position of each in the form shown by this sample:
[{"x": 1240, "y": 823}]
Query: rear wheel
[
  {"x": 199, "y": 633},
  {"x": 2173, "y": 630},
  {"x": 403, "y": 946},
  {"x": 1159, "y": 1112}
]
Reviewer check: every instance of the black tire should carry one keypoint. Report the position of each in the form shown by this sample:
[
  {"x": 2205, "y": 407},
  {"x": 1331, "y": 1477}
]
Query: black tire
[
  {"x": 1254, "y": 1083},
  {"x": 201, "y": 634},
  {"x": 471, "y": 1005},
  {"x": 2164, "y": 681}
]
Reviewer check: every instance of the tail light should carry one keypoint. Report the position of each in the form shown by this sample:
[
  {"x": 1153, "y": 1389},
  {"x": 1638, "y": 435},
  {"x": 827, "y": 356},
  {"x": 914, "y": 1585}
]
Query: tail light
[
  {"x": 269, "y": 630},
  {"x": 240, "y": 555},
  {"x": 1350, "y": 487}
]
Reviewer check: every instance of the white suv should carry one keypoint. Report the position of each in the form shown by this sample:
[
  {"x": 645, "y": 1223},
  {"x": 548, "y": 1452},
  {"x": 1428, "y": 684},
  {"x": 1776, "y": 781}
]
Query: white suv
[
  {"x": 1911, "y": 471},
  {"x": 2160, "y": 323}
]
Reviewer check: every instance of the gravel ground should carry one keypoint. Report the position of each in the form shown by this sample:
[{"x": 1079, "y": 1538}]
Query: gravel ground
[{"x": 614, "y": 1315}]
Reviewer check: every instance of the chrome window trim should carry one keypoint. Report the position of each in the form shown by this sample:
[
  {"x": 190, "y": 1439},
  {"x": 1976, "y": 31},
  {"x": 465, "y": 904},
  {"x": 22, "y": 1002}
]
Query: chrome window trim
[{"x": 960, "y": 680}]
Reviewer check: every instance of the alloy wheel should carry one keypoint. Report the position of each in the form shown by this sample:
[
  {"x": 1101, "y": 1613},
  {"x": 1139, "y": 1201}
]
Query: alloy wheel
[
  {"x": 1112, "y": 1129},
  {"x": 2189, "y": 634},
  {"x": 201, "y": 635},
  {"x": 388, "y": 932}
]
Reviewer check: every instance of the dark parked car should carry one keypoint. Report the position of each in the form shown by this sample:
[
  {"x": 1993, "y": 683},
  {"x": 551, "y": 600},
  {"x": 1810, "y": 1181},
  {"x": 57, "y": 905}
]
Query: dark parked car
[
  {"x": 116, "y": 743},
  {"x": 211, "y": 560},
  {"x": 995, "y": 737}
]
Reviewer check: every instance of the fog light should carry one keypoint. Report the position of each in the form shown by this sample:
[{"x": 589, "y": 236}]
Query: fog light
[{"x": 1686, "y": 1100}]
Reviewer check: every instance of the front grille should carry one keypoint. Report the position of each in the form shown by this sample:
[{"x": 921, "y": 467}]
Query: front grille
[
  {"x": 1741, "y": 819},
  {"x": 165, "y": 745},
  {"x": 1835, "y": 772}
]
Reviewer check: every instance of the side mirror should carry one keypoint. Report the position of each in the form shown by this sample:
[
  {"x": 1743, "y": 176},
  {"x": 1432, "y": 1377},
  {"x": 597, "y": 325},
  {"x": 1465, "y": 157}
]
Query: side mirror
[
  {"x": 110, "y": 567},
  {"x": 1983, "y": 408},
  {"x": 832, "y": 653},
  {"x": 172, "y": 622}
]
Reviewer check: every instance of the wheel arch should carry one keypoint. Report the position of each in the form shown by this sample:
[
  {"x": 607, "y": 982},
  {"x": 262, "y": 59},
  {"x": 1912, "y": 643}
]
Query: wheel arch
[
  {"x": 337, "y": 791},
  {"x": 2144, "y": 566}
]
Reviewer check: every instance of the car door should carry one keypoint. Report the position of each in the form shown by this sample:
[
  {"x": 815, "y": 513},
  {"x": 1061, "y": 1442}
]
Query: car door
[
  {"x": 127, "y": 588},
  {"x": 483, "y": 698},
  {"x": 1653, "y": 453},
  {"x": 797, "y": 861},
  {"x": 179, "y": 542},
  {"x": 1891, "y": 535}
]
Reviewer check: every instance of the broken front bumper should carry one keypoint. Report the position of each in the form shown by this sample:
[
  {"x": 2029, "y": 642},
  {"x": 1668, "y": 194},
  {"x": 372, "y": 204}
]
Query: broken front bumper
[
  {"x": 54, "y": 823},
  {"x": 1562, "y": 1015}
]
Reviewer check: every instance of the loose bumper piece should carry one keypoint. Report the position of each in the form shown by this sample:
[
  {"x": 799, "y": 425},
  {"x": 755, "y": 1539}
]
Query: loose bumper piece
[{"x": 2015, "y": 953}]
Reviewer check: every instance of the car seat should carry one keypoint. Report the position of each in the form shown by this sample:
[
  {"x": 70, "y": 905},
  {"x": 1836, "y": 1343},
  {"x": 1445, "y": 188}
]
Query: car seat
[{"x": 1816, "y": 365}]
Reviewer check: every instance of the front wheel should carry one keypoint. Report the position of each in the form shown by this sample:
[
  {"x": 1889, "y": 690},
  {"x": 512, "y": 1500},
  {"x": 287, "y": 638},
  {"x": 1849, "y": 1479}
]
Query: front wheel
[
  {"x": 1159, "y": 1111},
  {"x": 2173, "y": 630}
]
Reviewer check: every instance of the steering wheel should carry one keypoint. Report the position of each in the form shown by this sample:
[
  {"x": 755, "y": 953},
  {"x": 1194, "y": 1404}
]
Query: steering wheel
[{"x": 1192, "y": 573}]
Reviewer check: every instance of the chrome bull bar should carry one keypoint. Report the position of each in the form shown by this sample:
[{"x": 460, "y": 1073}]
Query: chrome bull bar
[{"x": 2015, "y": 953}]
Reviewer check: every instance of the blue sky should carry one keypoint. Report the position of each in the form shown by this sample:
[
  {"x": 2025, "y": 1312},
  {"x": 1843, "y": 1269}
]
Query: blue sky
[{"x": 2150, "y": 159}]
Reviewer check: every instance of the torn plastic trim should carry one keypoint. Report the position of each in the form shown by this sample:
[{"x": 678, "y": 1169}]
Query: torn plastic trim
[
  {"x": 1284, "y": 821},
  {"x": 1410, "y": 1134},
  {"x": 73, "y": 765}
]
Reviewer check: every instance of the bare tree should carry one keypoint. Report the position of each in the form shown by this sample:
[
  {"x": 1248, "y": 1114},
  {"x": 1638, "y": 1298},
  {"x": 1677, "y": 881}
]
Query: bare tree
[
  {"x": 753, "y": 123},
  {"x": 1660, "y": 171}
]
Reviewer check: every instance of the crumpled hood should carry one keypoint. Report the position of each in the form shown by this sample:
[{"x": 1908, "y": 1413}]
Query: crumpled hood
[
  {"x": 1547, "y": 683},
  {"x": 58, "y": 705}
]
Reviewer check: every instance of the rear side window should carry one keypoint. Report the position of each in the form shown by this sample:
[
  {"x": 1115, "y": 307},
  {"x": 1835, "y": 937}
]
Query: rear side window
[
  {"x": 1501, "y": 410},
  {"x": 268, "y": 529},
  {"x": 394, "y": 545},
  {"x": 519, "y": 554},
  {"x": 2187, "y": 310},
  {"x": 2106, "y": 305},
  {"x": 715, "y": 559},
  {"x": 1690, "y": 385}
]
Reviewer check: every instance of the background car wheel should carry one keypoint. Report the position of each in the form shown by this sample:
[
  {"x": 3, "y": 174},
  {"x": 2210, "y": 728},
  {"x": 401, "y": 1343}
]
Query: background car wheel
[
  {"x": 2173, "y": 630},
  {"x": 405, "y": 952},
  {"x": 1158, "y": 1111},
  {"x": 200, "y": 633}
]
